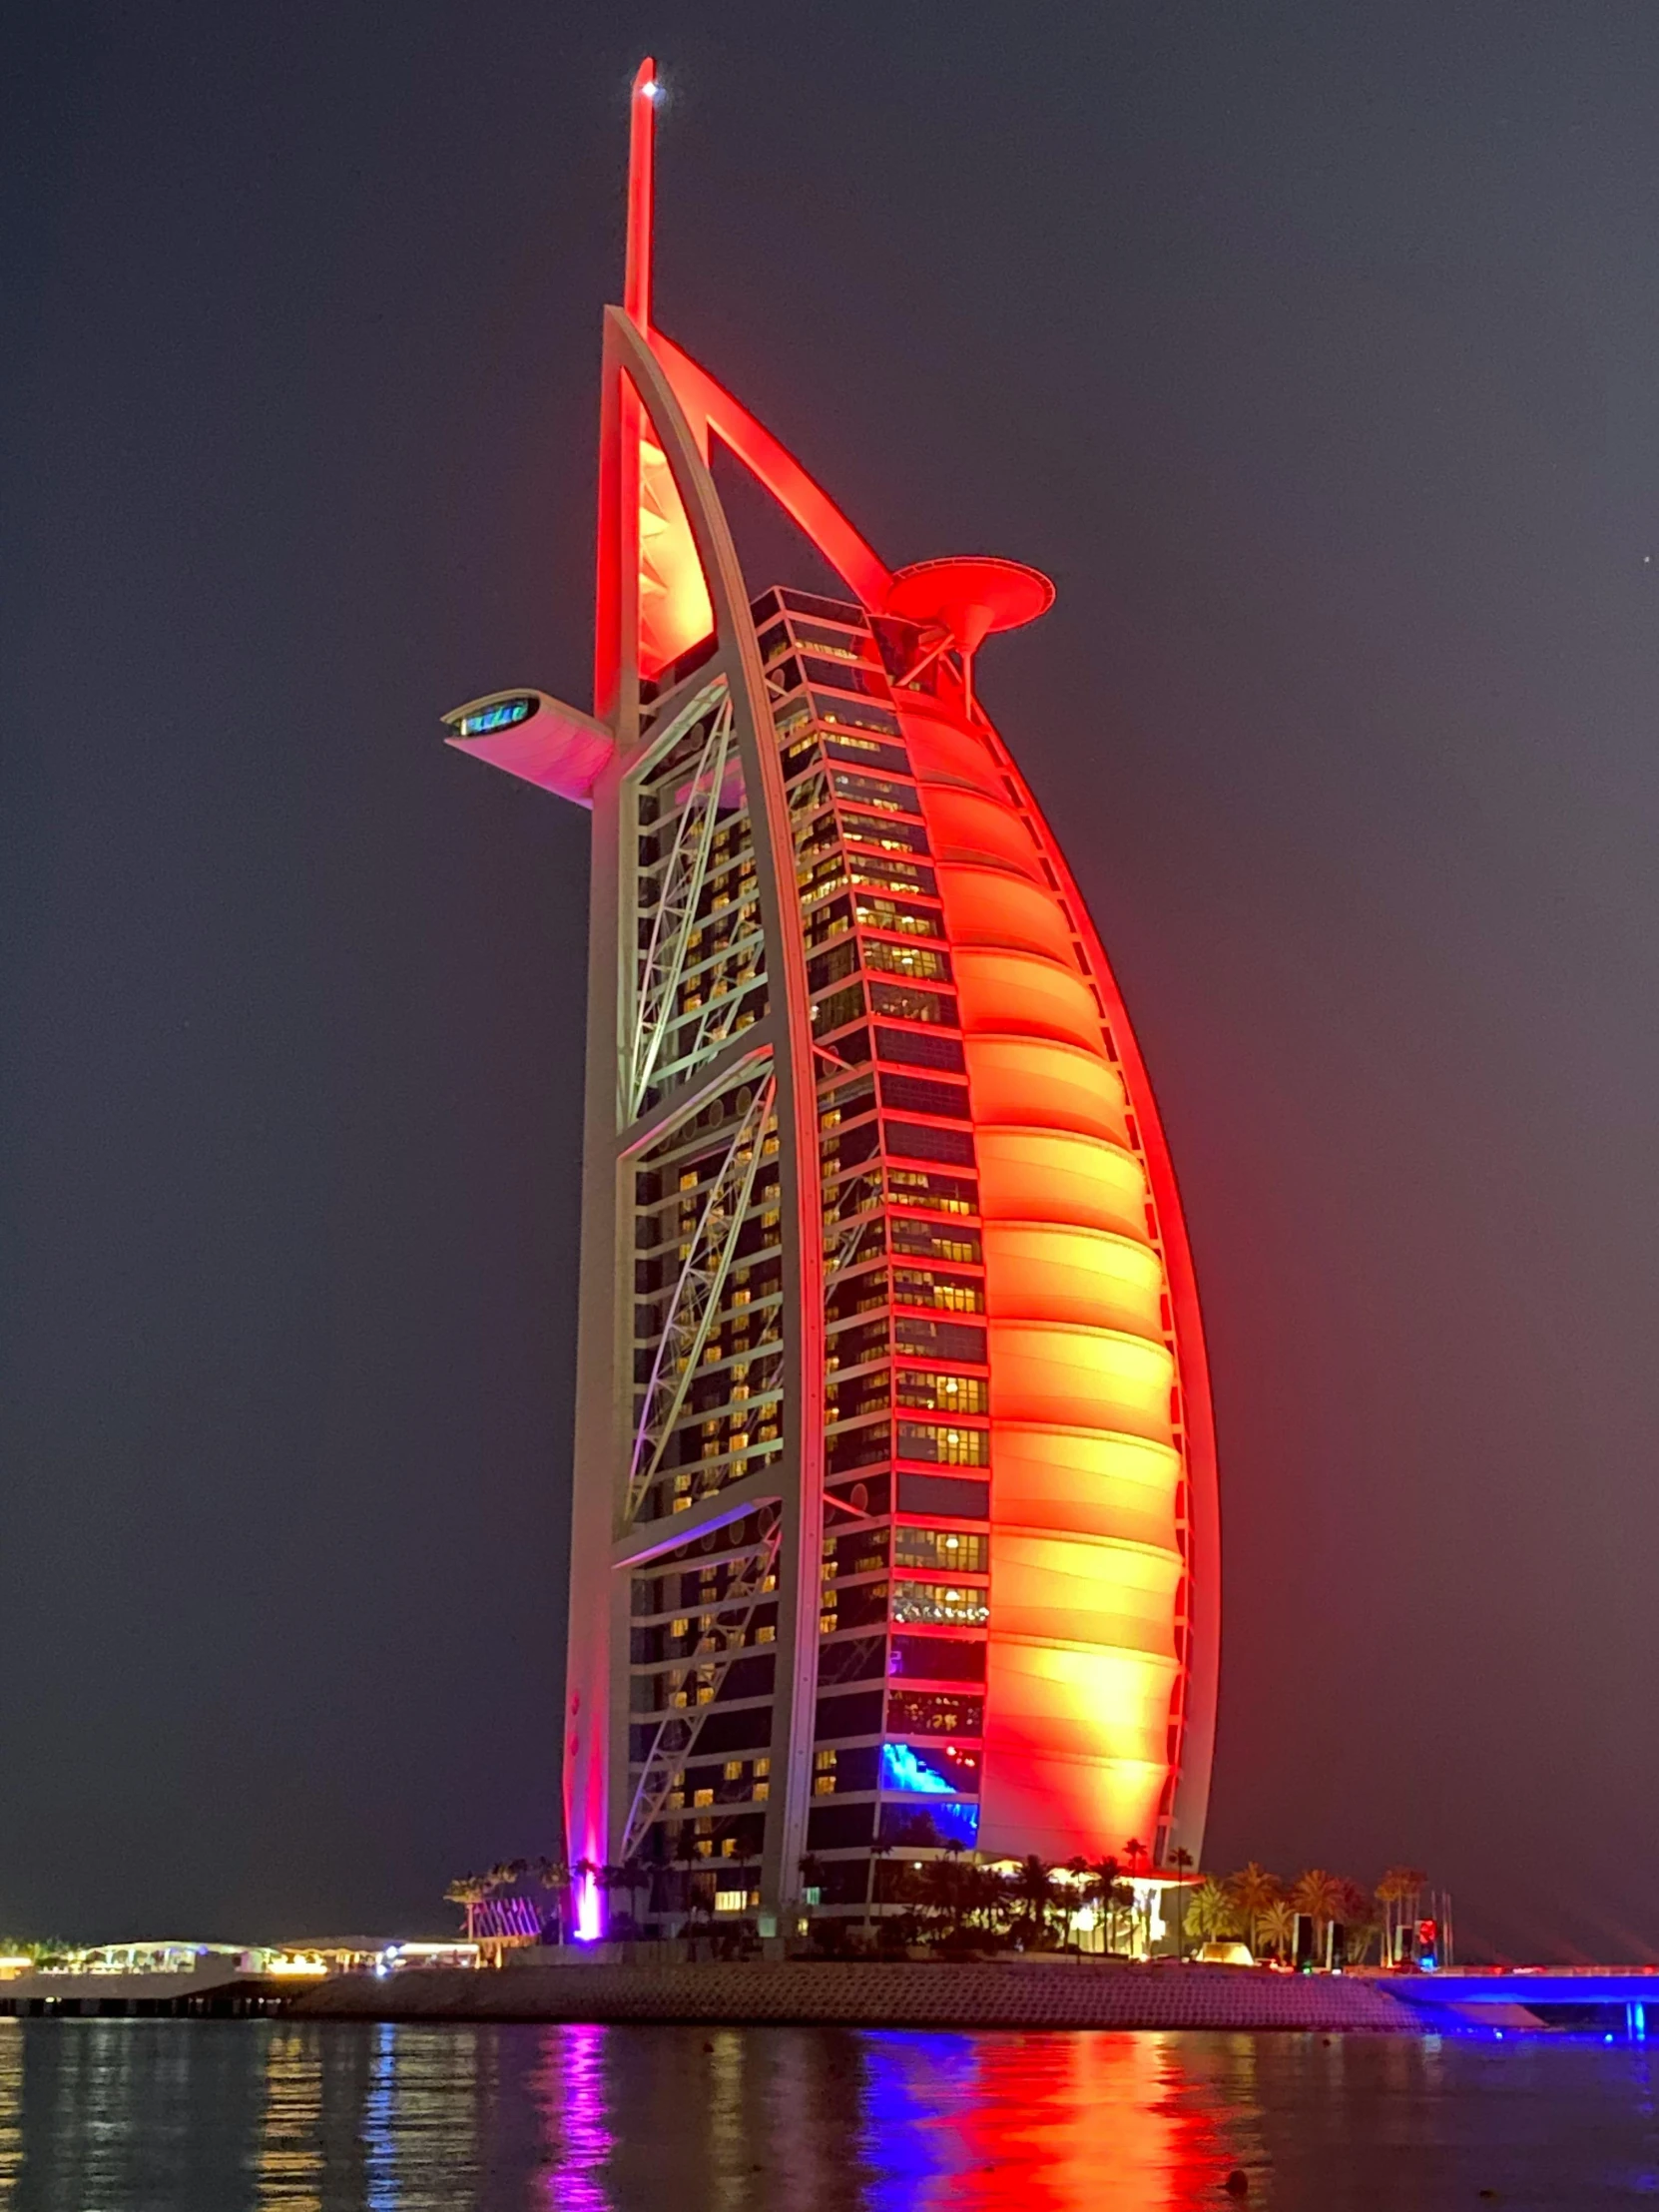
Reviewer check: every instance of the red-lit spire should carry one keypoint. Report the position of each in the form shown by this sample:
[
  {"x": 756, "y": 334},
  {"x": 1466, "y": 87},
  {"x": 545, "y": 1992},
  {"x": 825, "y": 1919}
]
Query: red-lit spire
[{"x": 642, "y": 132}]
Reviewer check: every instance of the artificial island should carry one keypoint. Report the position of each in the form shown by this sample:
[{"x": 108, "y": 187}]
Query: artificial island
[{"x": 894, "y": 1576}]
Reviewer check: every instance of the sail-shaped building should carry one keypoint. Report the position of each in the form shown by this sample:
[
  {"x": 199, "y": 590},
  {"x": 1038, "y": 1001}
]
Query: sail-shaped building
[{"x": 894, "y": 1512}]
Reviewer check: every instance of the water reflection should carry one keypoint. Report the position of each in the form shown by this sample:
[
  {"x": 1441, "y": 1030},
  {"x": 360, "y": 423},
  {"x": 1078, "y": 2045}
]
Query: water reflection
[
  {"x": 288, "y": 2162},
  {"x": 569, "y": 2086},
  {"x": 432, "y": 2103},
  {"x": 275, "y": 2116},
  {"x": 11, "y": 2108},
  {"x": 1046, "y": 2123}
]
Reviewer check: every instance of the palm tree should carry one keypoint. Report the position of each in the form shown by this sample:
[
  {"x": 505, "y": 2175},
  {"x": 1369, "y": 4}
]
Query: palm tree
[
  {"x": 1134, "y": 1851},
  {"x": 470, "y": 1891},
  {"x": 879, "y": 1849},
  {"x": 1112, "y": 1897},
  {"x": 1397, "y": 1894},
  {"x": 1213, "y": 1914},
  {"x": 1277, "y": 1923},
  {"x": 554, "y": 1875},
  {"x": 1358, "y": 1922},
  {"x": 1033, "y": 1888},
  {"x": 1253, "y": 1889},
  {"x": 1320, "y": 1896},
  {"x": 1183, "y": 1864}
]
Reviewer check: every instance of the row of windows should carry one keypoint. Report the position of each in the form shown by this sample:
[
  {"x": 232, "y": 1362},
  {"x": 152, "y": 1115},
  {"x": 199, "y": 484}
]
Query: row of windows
[
  {"x": 890, "y": 982},
  {"x": 866, "y": 1551}
]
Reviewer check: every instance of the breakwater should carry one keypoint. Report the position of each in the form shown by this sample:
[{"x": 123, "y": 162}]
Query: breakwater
[{"x": 860, "y": 1994}]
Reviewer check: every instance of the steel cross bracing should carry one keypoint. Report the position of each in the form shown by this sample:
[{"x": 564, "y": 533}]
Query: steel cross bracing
[
  {"x": 683, "y": 873},
  {"x": 696, "y": 1297},
  {"x": 679, "y": 1729}
]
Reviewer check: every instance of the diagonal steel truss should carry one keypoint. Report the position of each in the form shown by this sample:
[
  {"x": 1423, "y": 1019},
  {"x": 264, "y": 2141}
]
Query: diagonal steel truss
[
  {"x": 684, "y": 870},
  {"x": 696, "y": 1298},
  {"x": 679, "y": 1729}
]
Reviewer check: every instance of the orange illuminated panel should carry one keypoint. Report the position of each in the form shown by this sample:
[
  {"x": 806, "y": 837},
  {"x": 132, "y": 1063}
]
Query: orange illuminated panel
[
  {"x": 1084, "y": 1656},
  {"x": 674, "y": 607}
]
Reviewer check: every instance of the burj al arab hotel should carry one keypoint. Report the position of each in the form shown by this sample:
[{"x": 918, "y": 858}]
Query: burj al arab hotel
[{"x": 894, "y": 1514}]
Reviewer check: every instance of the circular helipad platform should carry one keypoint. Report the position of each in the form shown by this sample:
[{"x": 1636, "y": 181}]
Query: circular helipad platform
[{"x": 972, "y": 596}]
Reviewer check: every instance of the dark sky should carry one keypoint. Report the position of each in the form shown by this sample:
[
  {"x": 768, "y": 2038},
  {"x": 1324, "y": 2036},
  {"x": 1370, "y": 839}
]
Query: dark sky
[{"x": 1312, "y": 349}]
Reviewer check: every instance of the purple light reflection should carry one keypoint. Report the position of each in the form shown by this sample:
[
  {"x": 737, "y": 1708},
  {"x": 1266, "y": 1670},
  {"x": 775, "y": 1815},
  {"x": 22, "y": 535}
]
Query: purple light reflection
[{"x": 569, "y": 2089}]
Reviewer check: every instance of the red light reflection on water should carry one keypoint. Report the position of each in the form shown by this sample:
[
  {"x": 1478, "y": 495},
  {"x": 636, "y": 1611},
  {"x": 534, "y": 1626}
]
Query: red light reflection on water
[{"x": 1038, "y": 2123}]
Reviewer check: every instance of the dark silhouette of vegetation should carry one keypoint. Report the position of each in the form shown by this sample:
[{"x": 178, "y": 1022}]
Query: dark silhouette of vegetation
[{"x": 923, "y": 1890}]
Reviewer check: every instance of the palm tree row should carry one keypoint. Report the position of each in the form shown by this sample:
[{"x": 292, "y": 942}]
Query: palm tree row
[
  {"x": 469, "y": 1890},
  {"x": 952, "y": 1899},
  {"x": 1257, "y": 1906}
]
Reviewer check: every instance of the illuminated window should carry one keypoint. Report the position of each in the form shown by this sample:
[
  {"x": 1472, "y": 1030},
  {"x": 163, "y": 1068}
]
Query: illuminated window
[
  {"x": 702, "y": 1796},
  {"x": 942, "y": 1447},
  {"x": 919, "y": 960},
  {"x": 940, "y": 1604},
  {"x": 939, "y": 1547},
  {"x": 947, "y": 1394},
  {"x": 734, "y": 1770},
  {"x": 763, "y": 1767}
]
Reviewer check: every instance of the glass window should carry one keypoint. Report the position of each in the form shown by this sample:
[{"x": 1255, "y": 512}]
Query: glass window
[
  {"x": 919, "y": 960},
  {"x": 941, "y": 1605},
  {"x": 935, "y": 1713},
  {"x": 876, "y": 790},
  {"x": 944, "y": 1446},
  {"x": 945, "y": 1394},
  {"x": 922, "y": 1240},
  {"x": 961, "y": 1548},
  {"x": 905, "y": 1004}
]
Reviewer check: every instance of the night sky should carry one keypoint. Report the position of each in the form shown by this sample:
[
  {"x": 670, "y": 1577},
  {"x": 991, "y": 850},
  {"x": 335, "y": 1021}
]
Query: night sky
[{"x": 1312, "y": 350}]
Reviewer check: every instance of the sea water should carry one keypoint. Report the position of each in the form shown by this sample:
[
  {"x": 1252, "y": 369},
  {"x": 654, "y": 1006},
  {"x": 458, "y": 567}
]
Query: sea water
[{"x": 129, "y": 2115}]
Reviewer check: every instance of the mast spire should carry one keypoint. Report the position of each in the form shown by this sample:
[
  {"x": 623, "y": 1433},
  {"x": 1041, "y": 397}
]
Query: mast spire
[{"x": 642, "y": 130}]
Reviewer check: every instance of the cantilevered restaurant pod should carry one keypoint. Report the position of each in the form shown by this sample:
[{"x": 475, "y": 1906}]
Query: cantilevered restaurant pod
[{"x": 894, "y": 1516}]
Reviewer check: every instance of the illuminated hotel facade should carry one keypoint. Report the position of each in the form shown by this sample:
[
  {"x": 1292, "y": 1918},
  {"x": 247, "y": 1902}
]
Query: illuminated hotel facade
[{"x": 895, "y": 1505}]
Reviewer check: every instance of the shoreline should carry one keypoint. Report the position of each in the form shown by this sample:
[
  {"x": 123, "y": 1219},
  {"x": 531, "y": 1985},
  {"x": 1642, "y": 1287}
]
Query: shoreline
[{"x": 898, "y": 1994}]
